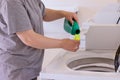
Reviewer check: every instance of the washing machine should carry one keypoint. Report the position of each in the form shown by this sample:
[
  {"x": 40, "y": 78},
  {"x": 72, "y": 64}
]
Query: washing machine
[
  {"x": 82, "y": 65},
  {"x": 95, "y": 62}
]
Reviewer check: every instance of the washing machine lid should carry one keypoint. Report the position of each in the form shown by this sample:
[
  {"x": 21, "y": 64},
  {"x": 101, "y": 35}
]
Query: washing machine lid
[{"x": 101, "y": 37}]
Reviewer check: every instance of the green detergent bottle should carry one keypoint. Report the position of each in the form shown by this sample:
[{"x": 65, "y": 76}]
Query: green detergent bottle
[{"x": 72, "y": 29}]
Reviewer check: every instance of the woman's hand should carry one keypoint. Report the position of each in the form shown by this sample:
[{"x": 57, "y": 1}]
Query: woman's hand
[{"x": 70, "y": 45}]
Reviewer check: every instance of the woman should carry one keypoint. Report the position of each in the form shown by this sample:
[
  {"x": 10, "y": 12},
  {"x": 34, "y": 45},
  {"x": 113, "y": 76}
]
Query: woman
[{"x": 22, "y": 42}]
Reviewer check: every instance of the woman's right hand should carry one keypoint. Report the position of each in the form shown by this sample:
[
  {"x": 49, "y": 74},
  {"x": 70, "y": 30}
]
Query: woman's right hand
[{"x": 70, "y": 45}]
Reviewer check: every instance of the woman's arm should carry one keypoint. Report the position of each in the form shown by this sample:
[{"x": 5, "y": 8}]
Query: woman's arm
[
  {"x": 35, "y": 40},
  {"x": 51, "y": 15}
]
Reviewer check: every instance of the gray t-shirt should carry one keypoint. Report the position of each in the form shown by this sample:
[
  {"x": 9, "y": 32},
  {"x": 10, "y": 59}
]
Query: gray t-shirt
[{"x": 18, "y": 61}]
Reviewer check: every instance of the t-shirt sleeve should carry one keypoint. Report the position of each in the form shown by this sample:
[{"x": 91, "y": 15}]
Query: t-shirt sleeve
[
  {"x": 17, "y": 18},
  {"x": 43, "y": 8}
]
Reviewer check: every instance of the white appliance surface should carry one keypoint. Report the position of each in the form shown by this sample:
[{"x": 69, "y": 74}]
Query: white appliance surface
[{"x": 57, "y": 69}]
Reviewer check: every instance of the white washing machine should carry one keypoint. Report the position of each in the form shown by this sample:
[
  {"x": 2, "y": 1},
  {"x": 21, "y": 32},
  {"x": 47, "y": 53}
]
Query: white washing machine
[
  {"x": 82, "y": 65},
  {"x": 96, "y": 62}
]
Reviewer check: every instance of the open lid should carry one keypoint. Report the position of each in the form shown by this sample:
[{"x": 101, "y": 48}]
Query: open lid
[{"x": 103, "y": 37}]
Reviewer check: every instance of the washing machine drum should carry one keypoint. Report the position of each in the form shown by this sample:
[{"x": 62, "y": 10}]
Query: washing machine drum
[
  {"x": 117, "y": 59},
  {"x": 95, "y": 64}
]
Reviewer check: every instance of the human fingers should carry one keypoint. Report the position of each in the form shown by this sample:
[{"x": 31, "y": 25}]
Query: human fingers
[
  {"x": 76, "y": 46},
  {"x": 75, "y": 49},
  {"x": 73, "y": 17},
  {"x": 70, "y": 45},
  {"x": 77, "y": 42}
]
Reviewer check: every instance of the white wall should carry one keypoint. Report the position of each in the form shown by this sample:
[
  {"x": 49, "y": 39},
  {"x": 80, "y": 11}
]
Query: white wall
[{"x": 62, "y": 3}]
